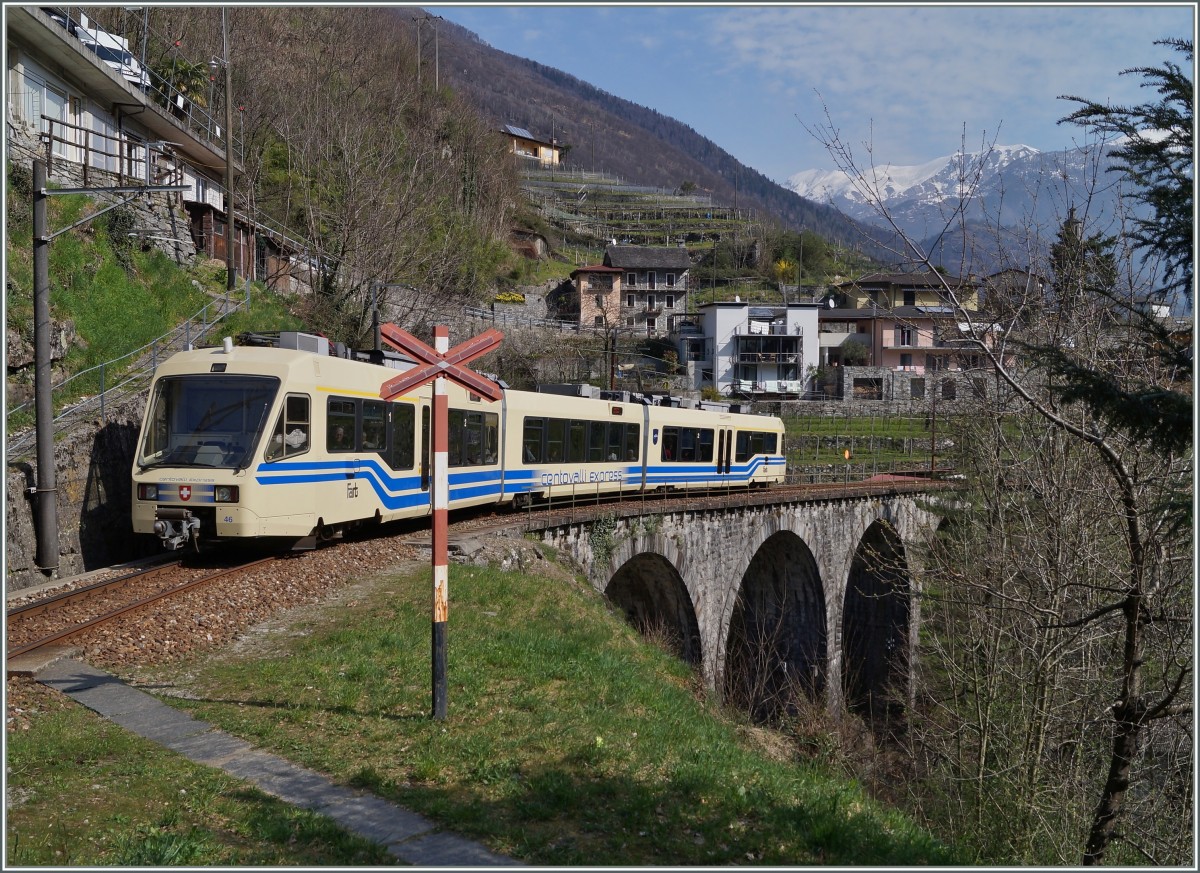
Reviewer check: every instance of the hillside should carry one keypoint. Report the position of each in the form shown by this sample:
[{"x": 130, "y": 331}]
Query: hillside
[{"x": 609, "y": 134}]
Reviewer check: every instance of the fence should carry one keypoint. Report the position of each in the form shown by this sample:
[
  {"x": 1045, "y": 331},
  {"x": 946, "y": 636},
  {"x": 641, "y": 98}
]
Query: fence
[{"x": 133, "y": 373}]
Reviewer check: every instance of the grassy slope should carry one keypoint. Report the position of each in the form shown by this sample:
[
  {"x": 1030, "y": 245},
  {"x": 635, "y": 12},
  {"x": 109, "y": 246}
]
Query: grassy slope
[{"x": 569, "y": 739}]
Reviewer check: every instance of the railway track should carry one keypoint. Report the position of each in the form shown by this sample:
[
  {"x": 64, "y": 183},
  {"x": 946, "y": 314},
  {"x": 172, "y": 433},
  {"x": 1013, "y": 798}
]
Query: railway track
[{"x": 53, "y": 620}]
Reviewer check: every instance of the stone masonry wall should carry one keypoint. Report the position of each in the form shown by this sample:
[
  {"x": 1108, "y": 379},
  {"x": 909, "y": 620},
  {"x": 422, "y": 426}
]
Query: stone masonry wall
[
  {"x": 93, "y": 472},
  {"x": 160, "y": 219}
]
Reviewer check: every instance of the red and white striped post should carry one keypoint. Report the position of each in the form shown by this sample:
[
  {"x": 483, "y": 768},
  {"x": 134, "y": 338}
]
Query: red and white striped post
[
  {"x": 441, "y": 503},
  {"x": 440, "y": 364}
]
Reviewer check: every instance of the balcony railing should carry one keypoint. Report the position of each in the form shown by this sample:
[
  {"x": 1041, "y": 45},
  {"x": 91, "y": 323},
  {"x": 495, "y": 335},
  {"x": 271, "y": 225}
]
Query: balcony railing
[{"x": 768, "y": 357}]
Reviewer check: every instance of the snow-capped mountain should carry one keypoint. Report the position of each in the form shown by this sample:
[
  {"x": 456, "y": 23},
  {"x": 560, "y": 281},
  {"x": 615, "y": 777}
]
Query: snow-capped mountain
[{"x": 1020, "y": 191}]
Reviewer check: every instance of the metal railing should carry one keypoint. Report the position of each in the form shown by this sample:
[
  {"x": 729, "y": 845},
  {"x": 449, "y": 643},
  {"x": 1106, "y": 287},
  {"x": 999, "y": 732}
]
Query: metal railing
[{"x": 132, "y": 370}]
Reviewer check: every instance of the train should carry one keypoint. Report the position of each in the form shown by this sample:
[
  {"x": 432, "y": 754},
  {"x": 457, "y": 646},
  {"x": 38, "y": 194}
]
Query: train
[{"x": 287, "y": 438}]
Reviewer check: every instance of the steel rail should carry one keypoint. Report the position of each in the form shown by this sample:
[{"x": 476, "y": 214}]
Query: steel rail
[{"x": 129, "y": 607}]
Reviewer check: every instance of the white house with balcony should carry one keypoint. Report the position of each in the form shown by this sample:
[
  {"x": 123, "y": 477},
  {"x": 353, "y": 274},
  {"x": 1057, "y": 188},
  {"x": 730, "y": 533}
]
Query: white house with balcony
[{"x": 751, "y": 350}]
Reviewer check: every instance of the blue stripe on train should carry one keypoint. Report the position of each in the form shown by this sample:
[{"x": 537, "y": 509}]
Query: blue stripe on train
[{"x": 403, "y": 491}]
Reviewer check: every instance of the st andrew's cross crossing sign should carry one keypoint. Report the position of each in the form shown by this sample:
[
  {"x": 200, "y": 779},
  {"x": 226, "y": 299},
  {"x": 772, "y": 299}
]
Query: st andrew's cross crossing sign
[
  {"x": 440, "y": 364},
  {"x": 437, "y": 365}
]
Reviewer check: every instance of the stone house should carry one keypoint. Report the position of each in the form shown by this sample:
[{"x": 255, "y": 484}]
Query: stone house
[{"x": 640, "y": 290}]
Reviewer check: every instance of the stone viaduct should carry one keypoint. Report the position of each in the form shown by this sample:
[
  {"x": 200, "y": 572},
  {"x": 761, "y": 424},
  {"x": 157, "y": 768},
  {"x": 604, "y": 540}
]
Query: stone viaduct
[{"x": 771, "y": 593}]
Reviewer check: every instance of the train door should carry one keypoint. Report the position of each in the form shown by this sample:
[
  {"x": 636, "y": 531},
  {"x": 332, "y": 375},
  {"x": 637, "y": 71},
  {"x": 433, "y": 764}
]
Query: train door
[{"x": 725, "y": 454}]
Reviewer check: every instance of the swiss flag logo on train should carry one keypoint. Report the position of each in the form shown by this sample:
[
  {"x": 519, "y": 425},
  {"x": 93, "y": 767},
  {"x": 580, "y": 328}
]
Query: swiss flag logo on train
[{"x": 185, "y": 492}]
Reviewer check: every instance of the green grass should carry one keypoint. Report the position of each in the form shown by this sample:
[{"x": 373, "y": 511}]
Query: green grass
[
  {"x": 91, "y": 794},
  {"x": 876, "y": 443},
  {"x": 568, "y": 741}
]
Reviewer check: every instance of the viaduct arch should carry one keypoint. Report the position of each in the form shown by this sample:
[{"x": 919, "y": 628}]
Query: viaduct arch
[{"x": 816, "y": 596}]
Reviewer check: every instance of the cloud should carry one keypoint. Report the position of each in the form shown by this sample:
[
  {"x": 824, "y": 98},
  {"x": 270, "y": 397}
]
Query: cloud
[{"x": 922, "y": 72}]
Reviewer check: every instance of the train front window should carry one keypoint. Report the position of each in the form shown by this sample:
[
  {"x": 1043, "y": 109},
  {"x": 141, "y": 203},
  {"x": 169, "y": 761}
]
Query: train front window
[{"x": 206, "y": 420}]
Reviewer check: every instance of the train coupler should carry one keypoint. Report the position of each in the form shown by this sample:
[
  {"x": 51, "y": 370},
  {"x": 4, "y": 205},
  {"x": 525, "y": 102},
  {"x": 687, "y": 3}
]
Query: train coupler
[{"x": 175, "y": 527}]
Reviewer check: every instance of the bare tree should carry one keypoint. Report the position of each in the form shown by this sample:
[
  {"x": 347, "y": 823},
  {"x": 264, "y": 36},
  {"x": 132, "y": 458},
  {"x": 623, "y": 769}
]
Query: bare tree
[{"x": 1060, "y": 654}]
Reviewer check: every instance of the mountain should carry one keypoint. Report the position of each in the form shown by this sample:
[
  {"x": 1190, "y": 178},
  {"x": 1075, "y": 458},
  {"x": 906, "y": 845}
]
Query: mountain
[
  {"x": 602, "y": 132},
  {"x": 1022, "y": 194}
]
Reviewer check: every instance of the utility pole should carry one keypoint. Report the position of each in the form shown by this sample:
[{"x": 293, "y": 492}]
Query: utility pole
[
  {"x": 45, "y": 493},
  {"x": 231, "y": 230},
  {"x": 419, "y": 22}
]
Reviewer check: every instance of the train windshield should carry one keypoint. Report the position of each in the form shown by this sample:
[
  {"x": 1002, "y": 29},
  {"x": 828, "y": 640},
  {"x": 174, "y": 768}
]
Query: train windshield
[{"x": 208, "y": 420}]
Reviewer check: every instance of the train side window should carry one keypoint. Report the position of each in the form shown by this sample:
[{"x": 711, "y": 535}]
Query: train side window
[
  {"x": 743, "y": 446},
  {"x": 339, "y": 425},
  {"x": 531, "y": 441},
  {"x": 473, "y": 438},
  {"x": 756, "y": 442},
  {"x": 687, "y": 444},
  {"x": 491, "y": 438},
  {"x": 670, "y": 444},
  {"x": 456, "y": 438},
  {"x": 596, "y": 434},
  {"x": 771, "y": 443},
  {"x": 704, "y": 451},
  {"x": 555, "y": 434},
  {"x": 404, "y": 424},
  {"x": 374, "y": 426},
  {"x": 291, "y": 433},
  {"x": 616, "y": 441},
  {"x": 576, "y": 441},
  {"x": 633, "y": 443}
]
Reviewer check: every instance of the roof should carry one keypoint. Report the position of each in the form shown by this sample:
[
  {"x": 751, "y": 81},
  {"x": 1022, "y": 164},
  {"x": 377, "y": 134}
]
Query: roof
[
  {"x": 911, "y": 312},
  {"x": 522, "y": 133},
  {"x": 919, "y": 280},
  {"x": 594, "y": 268},
  {"x": 647, "y": 257}
]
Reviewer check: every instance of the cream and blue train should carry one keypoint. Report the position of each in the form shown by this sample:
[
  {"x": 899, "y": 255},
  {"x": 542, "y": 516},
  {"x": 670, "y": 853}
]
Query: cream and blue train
[{"x": 265, "y": 441}]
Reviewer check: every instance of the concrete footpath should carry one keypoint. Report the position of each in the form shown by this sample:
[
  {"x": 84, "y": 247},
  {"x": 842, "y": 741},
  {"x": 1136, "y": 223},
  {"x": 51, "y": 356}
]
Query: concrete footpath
[{"x": 409, "y": 837}]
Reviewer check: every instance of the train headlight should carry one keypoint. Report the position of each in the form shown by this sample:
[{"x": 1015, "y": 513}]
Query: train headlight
[
  {"x": 226, "y": 493},
  {"x": 147, "y": 492}
]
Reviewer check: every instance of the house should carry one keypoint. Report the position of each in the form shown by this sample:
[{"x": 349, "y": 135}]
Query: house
[
  {"x": 525, "y": 145},
  {"x": 907, "y": 321},
  {"x": 82, "y": 101},
  {"x": 653, "y": 286},
  {"x": 752, "y": 350},
  {"x": 638, "y": 289}
]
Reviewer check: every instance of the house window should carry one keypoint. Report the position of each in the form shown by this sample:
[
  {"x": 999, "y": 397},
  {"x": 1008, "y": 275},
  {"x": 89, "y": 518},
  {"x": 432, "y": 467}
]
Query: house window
[
  {"x": 629, "y": 321},
  {"x": 599, "y": 321},
  {"x": 906, "y": 361},
  {"x": 904, "y": 336},
  {"x": 916, "y": 388},
  {"x": 650, "y": 322},
  {"x": 599, "y": 301},
  {"x": 650, "y": 301},
  {"x": 910, "y": 297},
  {"x": 104, "y": 144},
  {"x": 651, "y": 278},
  {"x": 670, "y": 304},
  {"x": 670, "y": 280},
  {"x": 631, "y": 300},
  {"x": 631, "y": 278}
]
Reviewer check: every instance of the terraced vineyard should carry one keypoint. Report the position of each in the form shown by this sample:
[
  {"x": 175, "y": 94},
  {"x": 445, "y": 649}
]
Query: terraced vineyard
[{"x": 604, "y": 208}]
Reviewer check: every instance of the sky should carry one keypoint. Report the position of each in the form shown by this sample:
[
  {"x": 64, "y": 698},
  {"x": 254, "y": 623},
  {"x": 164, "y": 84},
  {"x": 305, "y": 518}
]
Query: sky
[{"x": 909, "y": 83}]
